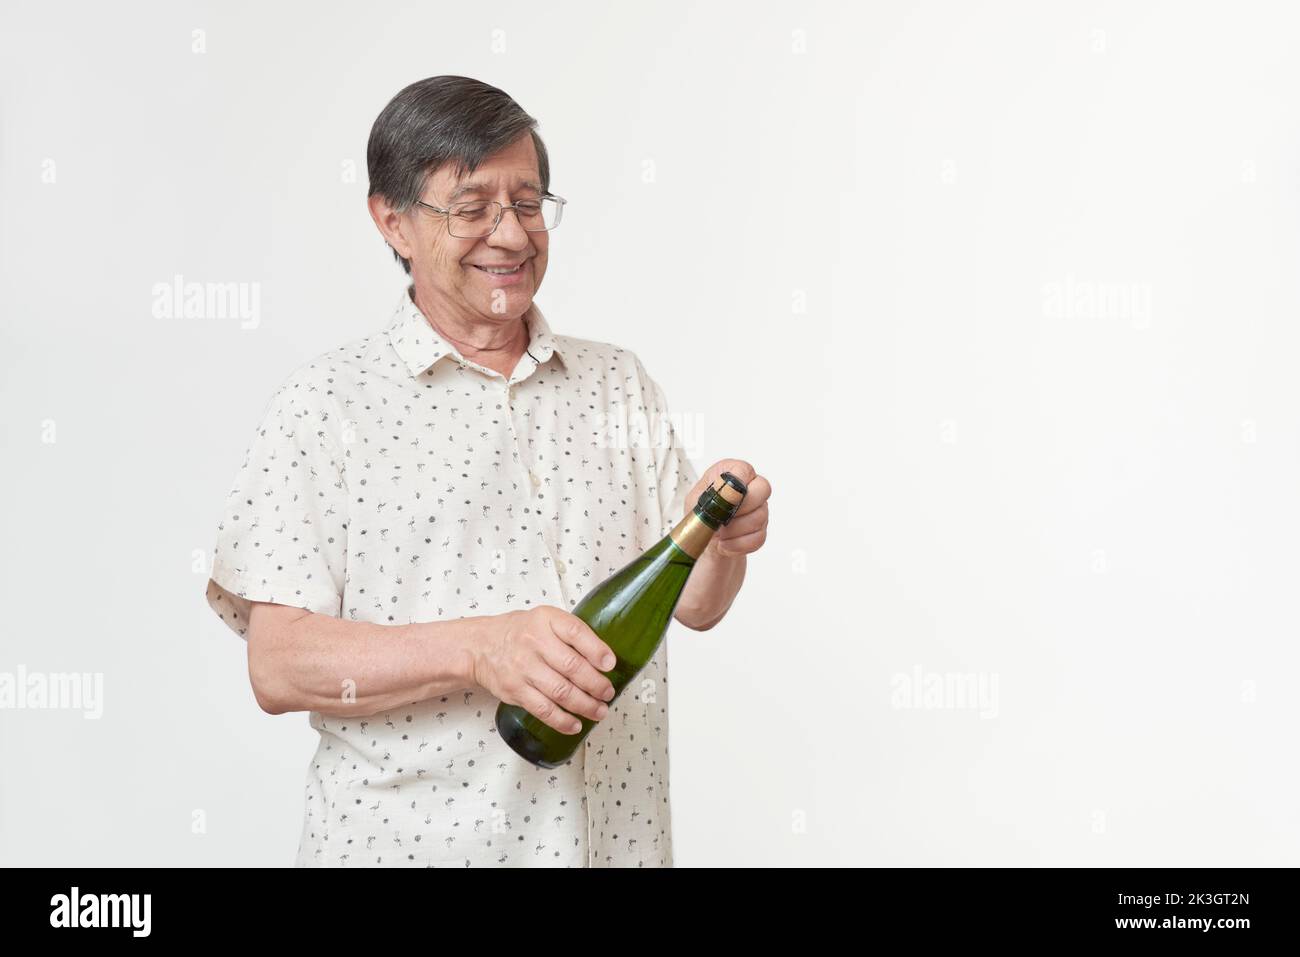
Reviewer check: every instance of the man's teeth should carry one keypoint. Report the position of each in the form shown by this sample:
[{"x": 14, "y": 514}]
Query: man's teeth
[{"x": 501, "y": 272}]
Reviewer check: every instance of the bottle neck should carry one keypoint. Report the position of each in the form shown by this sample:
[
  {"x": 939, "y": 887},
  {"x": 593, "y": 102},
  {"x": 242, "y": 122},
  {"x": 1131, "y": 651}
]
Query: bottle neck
[
  {"x": 692, "y": 533},
  {"x": 714, "y": 509}
]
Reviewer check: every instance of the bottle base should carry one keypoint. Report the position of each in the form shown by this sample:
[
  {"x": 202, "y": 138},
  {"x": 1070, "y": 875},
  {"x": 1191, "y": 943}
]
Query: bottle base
[{"x": 520, "y": 741}]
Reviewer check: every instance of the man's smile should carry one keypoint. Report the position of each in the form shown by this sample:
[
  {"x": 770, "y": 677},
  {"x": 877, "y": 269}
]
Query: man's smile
[{"x": 503, "y": 274}]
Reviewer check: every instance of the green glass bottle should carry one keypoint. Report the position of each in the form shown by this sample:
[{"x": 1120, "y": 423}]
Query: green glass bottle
[{"x": 630, "y": 611}]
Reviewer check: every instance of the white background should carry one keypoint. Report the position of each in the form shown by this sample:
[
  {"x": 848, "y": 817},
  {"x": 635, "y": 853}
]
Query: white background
[{"x": 1001, "y": 297}]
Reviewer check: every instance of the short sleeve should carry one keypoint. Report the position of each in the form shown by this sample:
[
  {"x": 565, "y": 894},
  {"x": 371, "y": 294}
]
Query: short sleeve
[
  {"x": 282, "y": 537},
  {"x": 676, "y": 475}
]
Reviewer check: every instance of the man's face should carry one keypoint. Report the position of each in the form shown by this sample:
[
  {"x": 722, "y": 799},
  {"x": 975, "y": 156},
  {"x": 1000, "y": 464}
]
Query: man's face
[{"x": 447, "y": 270}]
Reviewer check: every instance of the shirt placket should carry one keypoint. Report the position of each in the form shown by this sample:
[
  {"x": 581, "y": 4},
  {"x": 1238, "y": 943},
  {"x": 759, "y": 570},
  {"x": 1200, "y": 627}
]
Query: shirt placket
[{"x": 532, "y": 479}]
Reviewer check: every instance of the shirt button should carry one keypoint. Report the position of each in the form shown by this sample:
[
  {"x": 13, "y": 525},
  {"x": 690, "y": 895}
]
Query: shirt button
[
  {"x": 559, "y": 566},
  {"x": 533, "y": 477}
]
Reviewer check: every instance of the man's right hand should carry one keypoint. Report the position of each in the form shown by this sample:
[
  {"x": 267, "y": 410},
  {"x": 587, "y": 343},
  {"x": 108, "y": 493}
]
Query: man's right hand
[{"x": 547, "y": 662}]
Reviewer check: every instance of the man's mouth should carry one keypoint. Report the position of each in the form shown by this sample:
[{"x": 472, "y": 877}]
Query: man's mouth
[{"x": 501, "y": 270}]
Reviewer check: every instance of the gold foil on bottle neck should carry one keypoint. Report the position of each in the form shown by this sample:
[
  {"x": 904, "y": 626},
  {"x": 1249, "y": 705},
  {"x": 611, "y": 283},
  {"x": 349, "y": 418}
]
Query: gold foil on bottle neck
[{"x": 691, "y": 535}]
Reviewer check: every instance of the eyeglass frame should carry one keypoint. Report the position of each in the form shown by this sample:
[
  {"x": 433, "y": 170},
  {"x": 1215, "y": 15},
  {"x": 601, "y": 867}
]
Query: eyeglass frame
[{"x": 501, "y": 211}]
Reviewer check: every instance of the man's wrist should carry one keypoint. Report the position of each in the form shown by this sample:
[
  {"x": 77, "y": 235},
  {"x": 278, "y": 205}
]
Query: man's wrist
[{"x": 453, "y": 648}]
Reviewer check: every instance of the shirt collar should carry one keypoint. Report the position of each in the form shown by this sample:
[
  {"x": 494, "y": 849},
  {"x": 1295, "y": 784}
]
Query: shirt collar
[{"x": 420, "y": 346}]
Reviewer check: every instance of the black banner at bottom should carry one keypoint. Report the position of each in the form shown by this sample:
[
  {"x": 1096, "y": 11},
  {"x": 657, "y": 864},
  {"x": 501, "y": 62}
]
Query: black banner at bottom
[{"x": 1231, "y": 907}]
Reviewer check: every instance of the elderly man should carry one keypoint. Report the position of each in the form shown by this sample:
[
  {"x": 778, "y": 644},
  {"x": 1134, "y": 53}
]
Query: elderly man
[{"x": 420, "y": 510}]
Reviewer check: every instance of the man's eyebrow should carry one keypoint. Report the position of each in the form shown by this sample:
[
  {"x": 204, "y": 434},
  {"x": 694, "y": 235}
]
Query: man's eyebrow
[{"x": 484, "y": 187}]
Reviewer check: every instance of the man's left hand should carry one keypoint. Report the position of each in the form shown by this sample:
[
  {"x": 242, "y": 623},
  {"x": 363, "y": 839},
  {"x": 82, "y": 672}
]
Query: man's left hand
[{"x": 747, "y": 529}]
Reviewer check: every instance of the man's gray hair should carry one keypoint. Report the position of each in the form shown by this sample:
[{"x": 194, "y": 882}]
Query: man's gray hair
[{"x": 442, "y": 119}]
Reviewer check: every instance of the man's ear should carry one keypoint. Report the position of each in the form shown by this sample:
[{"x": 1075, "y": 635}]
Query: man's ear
[{"x": 391, "y": 224}]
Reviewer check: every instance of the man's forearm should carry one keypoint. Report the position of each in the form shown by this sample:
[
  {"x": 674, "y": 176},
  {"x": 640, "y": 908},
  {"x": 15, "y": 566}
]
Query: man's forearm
[
  {"x": 709, "y": 592},
  {"x": 320, "y": 663}
]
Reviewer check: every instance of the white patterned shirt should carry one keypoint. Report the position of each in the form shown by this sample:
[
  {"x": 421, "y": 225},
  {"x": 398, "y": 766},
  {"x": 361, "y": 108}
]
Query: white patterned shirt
[{"x": 391, "y": 480}]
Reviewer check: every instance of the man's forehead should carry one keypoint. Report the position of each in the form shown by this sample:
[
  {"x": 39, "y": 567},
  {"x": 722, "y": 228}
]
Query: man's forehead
[{"x": 490, "y": 184}]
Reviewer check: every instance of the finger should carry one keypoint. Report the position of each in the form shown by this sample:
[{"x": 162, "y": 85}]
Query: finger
[
  {"x": 743, "y": 544},
  {"x": 744, "y": 524},
  {"x": 569, "y": 661},
  {"x": 759, "y": 490},
  {"x": 547, "y": 711},
  {"x": 565, "y": 693},
  {"x": 572, "y": 630}
]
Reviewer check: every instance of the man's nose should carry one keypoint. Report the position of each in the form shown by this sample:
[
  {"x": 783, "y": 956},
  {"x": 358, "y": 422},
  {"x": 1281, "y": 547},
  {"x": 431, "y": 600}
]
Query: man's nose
[{"x": 509, "y": 232}]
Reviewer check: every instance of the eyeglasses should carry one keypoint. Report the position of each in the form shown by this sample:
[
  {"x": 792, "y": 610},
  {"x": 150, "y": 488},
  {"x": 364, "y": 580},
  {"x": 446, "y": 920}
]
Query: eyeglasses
[{"x": 477, "y": 218}]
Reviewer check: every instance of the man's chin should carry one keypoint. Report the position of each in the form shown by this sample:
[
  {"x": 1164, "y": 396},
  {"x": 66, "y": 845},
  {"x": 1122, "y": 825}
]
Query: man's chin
[{"x": 504, "y": 307}]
